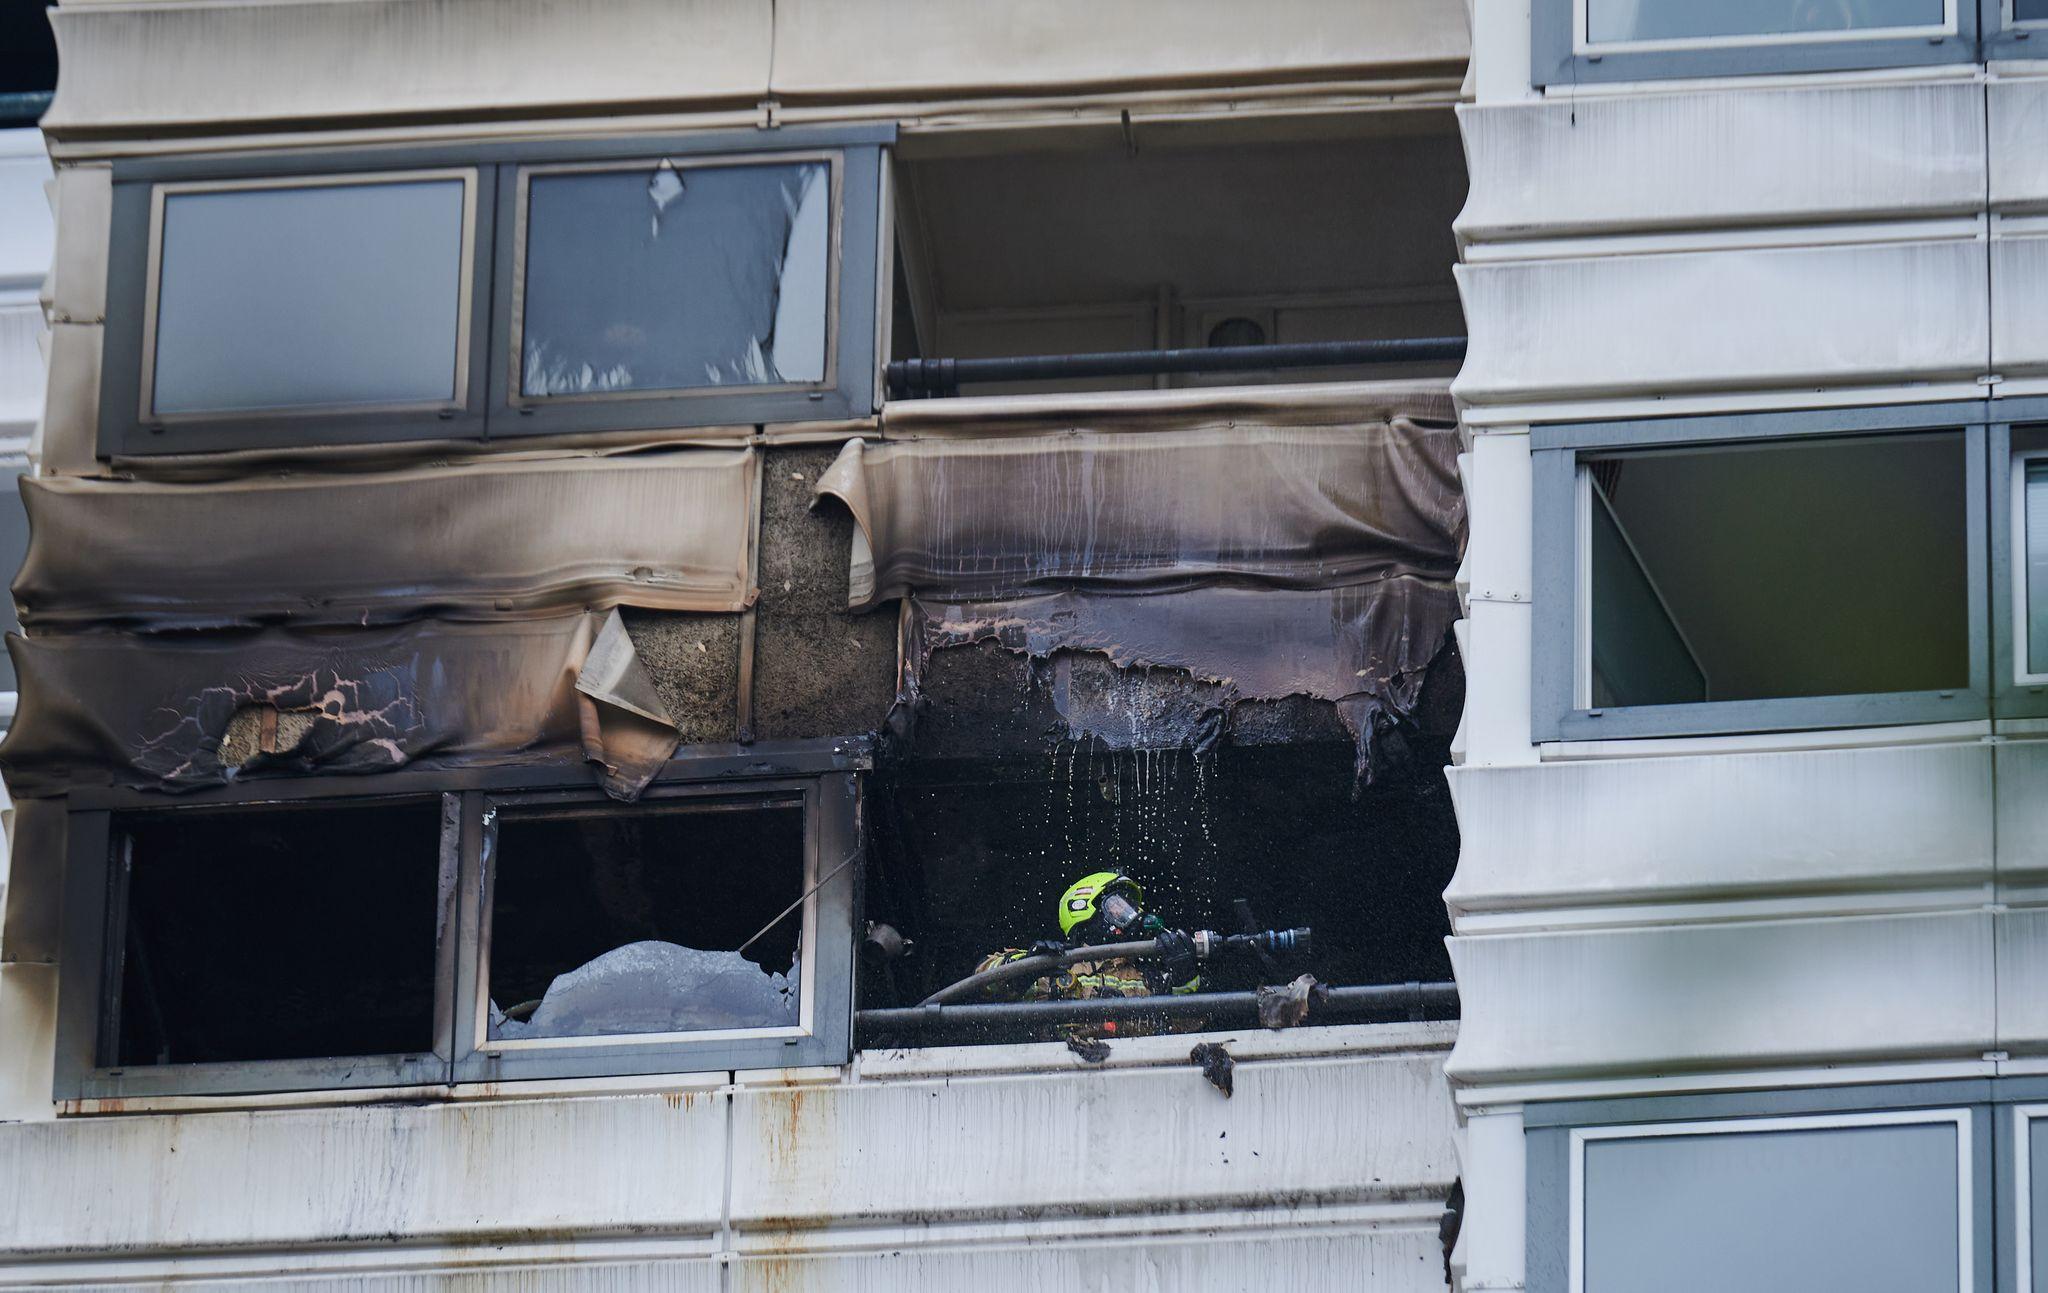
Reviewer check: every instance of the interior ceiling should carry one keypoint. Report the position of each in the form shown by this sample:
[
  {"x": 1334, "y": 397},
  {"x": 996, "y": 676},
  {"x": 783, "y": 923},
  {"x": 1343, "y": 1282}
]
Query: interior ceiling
[{"x": 1299, "y": 217}]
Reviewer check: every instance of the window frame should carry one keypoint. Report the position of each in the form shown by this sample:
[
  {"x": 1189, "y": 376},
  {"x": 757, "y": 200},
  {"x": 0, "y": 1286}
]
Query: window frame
[
  {"x": 853, "y": 258},
  {"x": 827, "y": 773},
  {"x": 1561, "y": 586},
  {"x": 128, "y": 424},
  {"x": 1561, "y": 55},
  {"x": 1556, "y": 1134},
  {"x": 825, "y": 997},
  {"x": 2006, "y": 37},
  {"x": 488, "y": 409},
  {"x": 2016, "y": 693}
]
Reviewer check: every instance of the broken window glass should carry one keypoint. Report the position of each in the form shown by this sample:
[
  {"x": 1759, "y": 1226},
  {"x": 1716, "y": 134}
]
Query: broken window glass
[
  {"x": 1632, "y": 20},
  {"x": 2035, "y": 555},
  {"x": 1829, "y": 567},
  {"x": 335, "y": 294},
  {"x": 268, "y": 934},
  {"x": 659, "y": 277},
  {"x": 608, "y": 921}
]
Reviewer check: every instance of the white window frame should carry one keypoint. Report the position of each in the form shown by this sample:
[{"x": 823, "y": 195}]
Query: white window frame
[
  {"x": 1960, "y": 1118},
  {"x": 1583, "y": 44},
  {"x": 2020, "y": 461}
]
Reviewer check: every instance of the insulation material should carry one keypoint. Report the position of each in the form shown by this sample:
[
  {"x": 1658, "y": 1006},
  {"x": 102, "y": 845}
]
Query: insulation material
[
  {"x": 1306, "y": 554},
  {"x": 526, "y": 537},
  {"x": 172, "y": 712},
  {"x": 1281, "y": 506}
]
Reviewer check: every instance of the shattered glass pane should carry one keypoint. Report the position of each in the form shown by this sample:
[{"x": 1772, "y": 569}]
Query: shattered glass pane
[
  {"x": 609, "y": 921},
  {"x": 336, "y": 294},
  {"x": 2036, "y": 558},
  {"x": 1628, "y": 20},
  {"x": 666, "y": 278}
]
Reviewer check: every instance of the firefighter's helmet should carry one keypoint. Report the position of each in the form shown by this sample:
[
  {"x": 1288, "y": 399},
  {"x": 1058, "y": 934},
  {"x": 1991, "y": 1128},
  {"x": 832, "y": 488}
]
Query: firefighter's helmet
[{"x": 1082, "y": 902}]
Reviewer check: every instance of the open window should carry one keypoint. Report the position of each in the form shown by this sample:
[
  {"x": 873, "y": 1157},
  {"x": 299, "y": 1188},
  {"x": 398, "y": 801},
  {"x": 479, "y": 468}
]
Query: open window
[
  {"x": 599, "y": 285},
  {"x": 1271, "y": 238},
  {"x": 2019, "y": 533},
  {"x": 1714, "y": 577},
  {"x": 304, "y": 936},
  {"x": 253, "y": 948},
  {"x": 1577, "y": 41}
]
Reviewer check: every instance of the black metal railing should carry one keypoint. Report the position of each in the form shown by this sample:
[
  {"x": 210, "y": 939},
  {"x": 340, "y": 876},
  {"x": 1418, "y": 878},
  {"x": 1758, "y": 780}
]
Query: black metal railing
[
  {"x": 919, "y": 378},
  {"x": 1219, "y": 1009}
]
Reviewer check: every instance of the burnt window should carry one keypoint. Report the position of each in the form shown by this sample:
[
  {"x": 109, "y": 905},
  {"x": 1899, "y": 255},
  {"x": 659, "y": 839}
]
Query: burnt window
[
  {"x": 657, "y": 920},
  {"x": 317, "y": 938},
  {"x": 273, "y": 934}
]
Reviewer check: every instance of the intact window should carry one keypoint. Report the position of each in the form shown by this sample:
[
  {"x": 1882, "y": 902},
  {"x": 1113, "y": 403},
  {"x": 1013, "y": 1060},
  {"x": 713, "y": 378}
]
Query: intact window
[
  {"x": 663, "y": 277},
  {"x": 1577, "y": 41},
  {"x": 1620, "y": 21},
  {"x": 609, "y": 921},
  {"x": 273, "y": 934},
  {"x": 311, "y": 295}
]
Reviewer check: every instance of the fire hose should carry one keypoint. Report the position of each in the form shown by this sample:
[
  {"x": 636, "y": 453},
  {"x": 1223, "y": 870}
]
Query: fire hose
[{"x": 1207, "y": 943}]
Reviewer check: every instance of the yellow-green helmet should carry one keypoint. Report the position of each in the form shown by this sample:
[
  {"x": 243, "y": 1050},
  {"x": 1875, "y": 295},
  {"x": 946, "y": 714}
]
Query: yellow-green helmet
[{"x": 1078, "y": 903}]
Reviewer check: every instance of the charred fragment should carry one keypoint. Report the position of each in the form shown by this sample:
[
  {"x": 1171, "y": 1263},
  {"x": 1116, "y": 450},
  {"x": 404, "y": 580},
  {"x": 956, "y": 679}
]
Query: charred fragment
[{"x": 694, "y": 662}]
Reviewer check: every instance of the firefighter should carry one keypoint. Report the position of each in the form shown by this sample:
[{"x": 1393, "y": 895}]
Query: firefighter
[{"x": 1106, "y": 907}]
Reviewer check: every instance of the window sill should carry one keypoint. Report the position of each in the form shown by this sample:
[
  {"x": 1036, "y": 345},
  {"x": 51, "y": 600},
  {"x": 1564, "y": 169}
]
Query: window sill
[{"x": 1767, "y": 742}]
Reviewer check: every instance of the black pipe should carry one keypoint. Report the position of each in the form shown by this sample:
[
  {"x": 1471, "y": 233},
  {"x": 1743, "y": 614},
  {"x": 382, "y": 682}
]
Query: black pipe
[
  {"x": 24, "y": 107},
  {"x": 1215, "y": 1007},
  {"x": 923, "y": 377}
]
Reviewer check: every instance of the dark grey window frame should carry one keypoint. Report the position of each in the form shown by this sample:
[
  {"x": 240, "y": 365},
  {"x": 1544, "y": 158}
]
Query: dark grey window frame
[
  {"x": 2006, "y": 38},
  {"x": 487, "y": 409},
  {"x": 1555, "y": 453},
  {"x": 1554, "y": 61},
  {"x": 830, "y": 838},
  {"x": 825, "y": 772},
  {"x": 1547, "y": 1141},
  {"x": 2011, "y": 697}
]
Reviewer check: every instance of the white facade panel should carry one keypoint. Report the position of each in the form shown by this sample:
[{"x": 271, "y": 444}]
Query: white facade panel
[
  {"x": 1493, "y": 640},
  {"x": 1400, "y": 1257},
  {"x": 2018, "y": 162},
  {"x": 2022, "y": 819},
  {"x": 938, "y": 48},
  {"x": 1498, "y": 497},
  {"x": 78, "y": 274},
  {"x": 2022, "y": 969},
  {"x": 1679, "y": 828},
  {"x": 2019, "y": 297},
  {"x": 1733, "y": 319},
  {"x": 71, "y": 416},
  {"x": 21, "y": 362},
  {"x": 1724, "y": 997},
  {"x": 28, "y": 1025},
  {"x": 327, "y": 62},
  {"x": 1708, "y": 158},
  {"x": 508, "y": 1170},
  {"x": 1136, "y": 1139}
]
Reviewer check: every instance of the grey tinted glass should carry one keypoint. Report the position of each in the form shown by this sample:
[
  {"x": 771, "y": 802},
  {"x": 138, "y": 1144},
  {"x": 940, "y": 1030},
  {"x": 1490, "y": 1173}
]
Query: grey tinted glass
[
  {"x": 343, "y": 294},
  {"x": 613, "y": 921},
  {"x": 1639, "y": 654},
  {"x": 2030, "y": 10},
  {"x": 668, "y": 278},
  {"x": 2036, "y": 558},
  {"x": 1825, "y": 567},
  {"x": 1870, "y": 1208},
  {"x": 1624, "y": 20}
]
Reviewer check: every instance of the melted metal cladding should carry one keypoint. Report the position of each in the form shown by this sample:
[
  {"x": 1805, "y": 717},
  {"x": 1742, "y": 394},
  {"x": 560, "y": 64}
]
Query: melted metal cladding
[
  {"x": 1258, "y": 560},
  {"x": 163, "y": 712},
  {"x": 1276, "y": 506},
  {"x": 523, "y": 538}
]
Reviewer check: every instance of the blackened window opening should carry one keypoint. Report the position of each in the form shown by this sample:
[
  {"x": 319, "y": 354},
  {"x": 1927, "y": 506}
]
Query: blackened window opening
[
  {"x": 273, "y": 934},
  {"x": 611, "y": 921}
]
